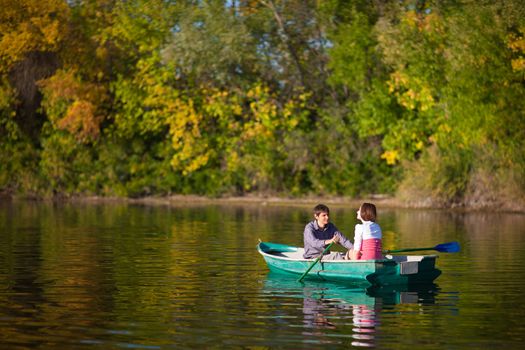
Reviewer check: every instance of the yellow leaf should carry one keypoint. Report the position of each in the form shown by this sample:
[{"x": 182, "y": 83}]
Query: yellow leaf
[{"x": 391, "y": 157}]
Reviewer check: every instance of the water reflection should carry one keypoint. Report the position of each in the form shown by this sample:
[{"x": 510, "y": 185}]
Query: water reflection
[
  {"x": 321, "y": 314},
  {"x": 127, "y": 276},
  {"x": 349, "y": 311}
]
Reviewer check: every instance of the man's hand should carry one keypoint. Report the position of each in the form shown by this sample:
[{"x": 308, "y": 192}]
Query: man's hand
[{"x": 334, "y": 239}]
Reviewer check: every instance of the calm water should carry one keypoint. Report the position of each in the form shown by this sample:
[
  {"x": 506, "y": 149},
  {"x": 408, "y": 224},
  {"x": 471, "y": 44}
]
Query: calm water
[{"x": 118, "y": 276}]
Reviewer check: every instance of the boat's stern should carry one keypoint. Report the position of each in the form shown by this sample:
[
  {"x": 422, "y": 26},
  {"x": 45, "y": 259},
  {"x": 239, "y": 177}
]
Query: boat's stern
[{"x": 405, "y": 269}]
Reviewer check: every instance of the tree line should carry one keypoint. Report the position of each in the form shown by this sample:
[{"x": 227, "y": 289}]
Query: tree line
[{"x": 421, "y": 99}]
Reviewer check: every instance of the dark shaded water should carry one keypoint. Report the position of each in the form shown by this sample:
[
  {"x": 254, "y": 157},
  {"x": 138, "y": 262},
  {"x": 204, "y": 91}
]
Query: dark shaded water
[{"x": 121, "y": 276}]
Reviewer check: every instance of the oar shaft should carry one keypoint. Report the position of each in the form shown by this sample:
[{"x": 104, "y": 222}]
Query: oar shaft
[
  {"x": 407, "y": 250},
  {"x": 315, "y": 262},
  {"x": 450, "y": 247}
]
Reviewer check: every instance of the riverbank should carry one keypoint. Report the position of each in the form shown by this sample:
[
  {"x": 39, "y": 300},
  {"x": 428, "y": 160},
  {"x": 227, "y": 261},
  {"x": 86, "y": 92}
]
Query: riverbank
[
  {"x": 263, "y": 200},
  {"x": 194, "y": 200}
]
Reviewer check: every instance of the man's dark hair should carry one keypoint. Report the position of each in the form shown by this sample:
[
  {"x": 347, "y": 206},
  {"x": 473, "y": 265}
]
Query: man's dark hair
[{"x": 321, "y": 208}]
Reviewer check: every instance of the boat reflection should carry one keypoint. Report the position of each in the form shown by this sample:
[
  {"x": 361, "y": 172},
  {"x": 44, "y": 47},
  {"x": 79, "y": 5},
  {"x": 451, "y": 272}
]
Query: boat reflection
[{"x": 355, "y": 311}]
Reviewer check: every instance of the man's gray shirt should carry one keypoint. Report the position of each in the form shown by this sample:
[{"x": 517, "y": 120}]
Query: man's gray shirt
[{"x": 314, "y": 238}]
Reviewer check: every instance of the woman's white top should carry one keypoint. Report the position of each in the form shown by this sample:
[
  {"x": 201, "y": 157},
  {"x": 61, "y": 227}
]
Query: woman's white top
[{"x": 366, "y": 230}]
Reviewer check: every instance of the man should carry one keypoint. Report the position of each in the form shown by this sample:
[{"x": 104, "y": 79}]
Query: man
[{"x": 321, "y": 232}]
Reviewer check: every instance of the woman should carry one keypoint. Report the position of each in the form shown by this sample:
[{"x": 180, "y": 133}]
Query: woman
[{"x": 368, "y": 235}]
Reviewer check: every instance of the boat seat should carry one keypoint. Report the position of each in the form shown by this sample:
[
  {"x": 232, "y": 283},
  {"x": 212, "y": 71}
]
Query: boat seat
[
  {"x": 293, "y": 255},
  {"x": 284, "y": 255},
  {"x": 404, "y": 258}
]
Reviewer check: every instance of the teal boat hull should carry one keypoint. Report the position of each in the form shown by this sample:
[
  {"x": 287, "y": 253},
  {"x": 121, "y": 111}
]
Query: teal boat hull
[{"x": 391, "y": 271}]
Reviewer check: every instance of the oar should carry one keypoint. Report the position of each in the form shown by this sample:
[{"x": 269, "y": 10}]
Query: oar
[
  {"x": 315, "y": 262},
  {"x": 450, "y": 247}
]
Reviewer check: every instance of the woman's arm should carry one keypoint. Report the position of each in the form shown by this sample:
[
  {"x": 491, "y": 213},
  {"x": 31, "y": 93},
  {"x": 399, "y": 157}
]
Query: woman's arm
[{"x": 358, "y": 237}]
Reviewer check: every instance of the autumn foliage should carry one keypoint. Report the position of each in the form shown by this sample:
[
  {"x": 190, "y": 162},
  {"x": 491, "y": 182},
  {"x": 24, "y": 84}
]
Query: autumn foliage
[{"x": 419, "y": 99}]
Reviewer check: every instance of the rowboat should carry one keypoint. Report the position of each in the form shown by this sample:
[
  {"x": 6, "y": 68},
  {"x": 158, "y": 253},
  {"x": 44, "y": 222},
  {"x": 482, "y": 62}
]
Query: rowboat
[{"x": 390, "y": 271}]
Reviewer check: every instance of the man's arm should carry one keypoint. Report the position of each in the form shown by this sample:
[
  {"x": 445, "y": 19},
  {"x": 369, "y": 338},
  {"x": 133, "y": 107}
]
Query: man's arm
[
  {"x": 345, "y": 242},
  {"x": 313, "y": 246}
]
